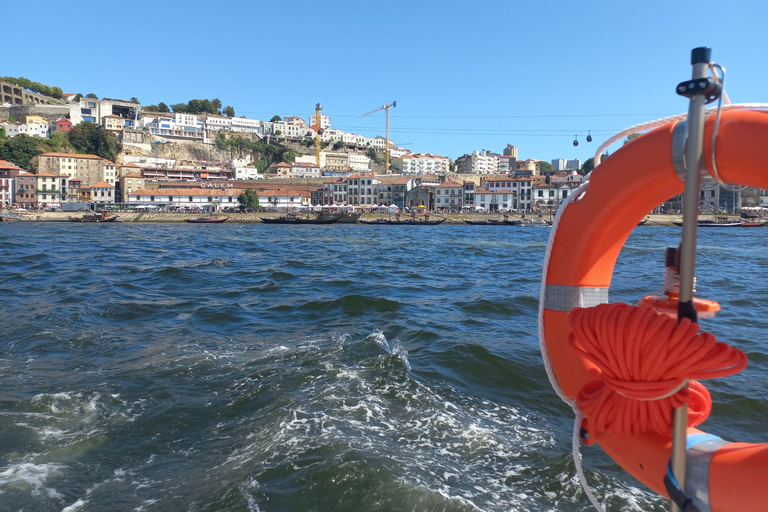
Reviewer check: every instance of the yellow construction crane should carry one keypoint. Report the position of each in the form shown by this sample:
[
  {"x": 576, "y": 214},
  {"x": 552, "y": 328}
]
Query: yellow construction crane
[
  {"x": 318, "y": 108},
  {"x": 385, "y": 106}
]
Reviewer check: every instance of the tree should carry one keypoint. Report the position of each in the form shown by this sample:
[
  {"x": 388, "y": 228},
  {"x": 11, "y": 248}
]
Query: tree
[
  {"x": 631, "y": 137},
  {"x": 229, "y": 111},
  {"x": 162, "y": 107},
  {"x": 57, "y": 92},
  {"x": 216, "y": 102},
  {"x": 589, "y": 164},
  {"x": 546, "y": 167},
  {"x": 78, "y": 97},
  {"x": 249, "y": 200},
  {"x": 92, "y": 96},
  {"x": 134, "y": 100},
  {"x": 88, "y": 138},
  {"x": 57, "y": 140},
  {"x": 20, "y": 150},
  {"x": 275, "y": 119}
]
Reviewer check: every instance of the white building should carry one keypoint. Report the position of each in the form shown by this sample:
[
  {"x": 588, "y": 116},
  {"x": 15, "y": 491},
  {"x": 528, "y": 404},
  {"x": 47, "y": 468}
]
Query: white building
[
  {"x": 478, "y": 162},
  {"x": 185, "y": 197},
  {"x": 559, "y": 164},
  {"x": 422, "y": 163}
]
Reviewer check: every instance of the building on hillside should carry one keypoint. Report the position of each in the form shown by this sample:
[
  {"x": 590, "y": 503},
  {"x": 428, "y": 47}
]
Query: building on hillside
[
  {"x": 37, "y": 126},
  {"x": 510, "y": 150},
  {"x": 422, "y": 163},
  {"x": 337, "y": 162},
  {"x": 572, "y": 165},
  {"x": 14, "y": 129},
  {"x": 112, "y": 123},
  {"x": 62, "y": 124},
  {"x": 528, "y": 165},
  {"x": 51, "y": 189},
  {"x": 13, "y": 94},
  {"x": 559, "y": 164},
  {"x": 305, "y": 170},
  {"x": 449, "y": 197},
  {"x": 507, "y": 164},
  {"x": 175, "y": 126},
  {"x": 478, "y": 162},
  {"x": 281, "y": 170}
]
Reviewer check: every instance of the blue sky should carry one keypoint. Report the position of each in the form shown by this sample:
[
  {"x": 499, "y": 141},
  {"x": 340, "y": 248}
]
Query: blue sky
[{"x": 466, "y": 75}]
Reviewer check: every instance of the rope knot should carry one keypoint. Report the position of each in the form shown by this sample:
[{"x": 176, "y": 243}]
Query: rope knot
[{"x": 645, "y": 359}]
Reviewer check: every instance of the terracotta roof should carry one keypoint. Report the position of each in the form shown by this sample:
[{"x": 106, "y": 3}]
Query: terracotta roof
[
  {"x": 102, "y": 184},
  {"x": 133, "y": 175},
  {"x": 48, "y": 174}
]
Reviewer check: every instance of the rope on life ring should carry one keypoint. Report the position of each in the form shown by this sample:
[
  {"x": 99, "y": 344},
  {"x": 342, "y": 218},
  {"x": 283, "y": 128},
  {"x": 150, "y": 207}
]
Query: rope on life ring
[{"x": 644, "y": 359}]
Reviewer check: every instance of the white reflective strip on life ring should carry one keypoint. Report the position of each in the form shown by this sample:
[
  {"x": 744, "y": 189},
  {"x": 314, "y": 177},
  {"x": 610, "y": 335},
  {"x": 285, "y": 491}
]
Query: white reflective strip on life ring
[
  {"x": 559, "y": 297},
  {"x": 697, "y": 471}
]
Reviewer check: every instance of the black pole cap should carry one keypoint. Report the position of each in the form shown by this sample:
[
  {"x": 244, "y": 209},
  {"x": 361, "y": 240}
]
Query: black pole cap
[{"x": 701, "y": 55}]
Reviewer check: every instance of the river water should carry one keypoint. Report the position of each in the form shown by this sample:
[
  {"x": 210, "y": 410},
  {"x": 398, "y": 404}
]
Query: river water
[{"x": 248, "y": 367}]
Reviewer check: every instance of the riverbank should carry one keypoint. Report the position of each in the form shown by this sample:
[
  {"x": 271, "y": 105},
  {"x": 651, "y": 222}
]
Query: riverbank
[{"x": 245, "y": 218}]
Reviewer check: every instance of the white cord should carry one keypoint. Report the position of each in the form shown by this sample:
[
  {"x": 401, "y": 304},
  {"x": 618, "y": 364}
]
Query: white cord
[{"x": 577, "y": 462}]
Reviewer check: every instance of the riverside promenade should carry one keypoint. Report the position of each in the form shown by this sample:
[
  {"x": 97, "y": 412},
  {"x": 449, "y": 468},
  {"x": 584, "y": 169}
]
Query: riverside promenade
[{"x": 244, "y": 218}]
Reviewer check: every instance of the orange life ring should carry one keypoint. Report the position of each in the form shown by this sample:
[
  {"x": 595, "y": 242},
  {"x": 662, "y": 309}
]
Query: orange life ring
[{"x": 589, "y": 232}]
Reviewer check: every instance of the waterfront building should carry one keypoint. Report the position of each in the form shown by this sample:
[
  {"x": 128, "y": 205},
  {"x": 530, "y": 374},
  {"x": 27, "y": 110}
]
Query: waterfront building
[
  {"x": 335, "y": 192},
  {"x": 469, "y": 190},
  {"x": 87, "y": 168},
  {"x": 8, "y": 174},
  {"x": 26, "y": 189},
  {"x": 422, "y": 163},
  {"x": 362, "y": 190},
  {"x": 50, "y": 189},
  {"x": 449, "y": 196},
  {"x": 129, "y": 183},
  {"x": 478, "y": 162},
  {"x": 185, "y": 198},
  {"x": 499, "y": 200},
  {"x": 102, "y": 192}
]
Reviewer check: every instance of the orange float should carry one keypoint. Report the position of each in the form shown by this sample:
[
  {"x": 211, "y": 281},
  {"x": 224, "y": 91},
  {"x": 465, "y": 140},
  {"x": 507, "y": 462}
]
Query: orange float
[{"x": 589, "y": 232}]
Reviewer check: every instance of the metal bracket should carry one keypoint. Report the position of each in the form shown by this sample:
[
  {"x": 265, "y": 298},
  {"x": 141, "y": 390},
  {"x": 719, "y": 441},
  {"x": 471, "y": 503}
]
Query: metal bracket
[{"x": 710, "y": 87}]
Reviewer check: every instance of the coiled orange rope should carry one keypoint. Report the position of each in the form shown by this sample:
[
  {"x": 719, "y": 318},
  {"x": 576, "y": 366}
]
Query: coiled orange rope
[{"x": 644, "y": 358}]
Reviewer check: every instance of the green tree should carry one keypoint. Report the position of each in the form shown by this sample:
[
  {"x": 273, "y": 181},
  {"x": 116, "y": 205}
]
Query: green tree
[
  {"x": 216, "y": 102},
  {"x": 20, "y": 150},
  {"x": 229, "y": 111},
  {"x": 88, "y": 138},
  {"x": 57, "y": 92},
  {"x": 631, "y": 137},
  {"x": 57, "y": 141},
  {"x": 275, "y": 119},
  {"x": 78, "y": 97},
  {"x": 135, "y": 100},
  {"x": 337, "y": 145},
  {"x": 546, "y": 167},
  {"x": 249, "y": 199},
  {"x": 92, "y": 96},
  {"x": 589, "y": 164}
]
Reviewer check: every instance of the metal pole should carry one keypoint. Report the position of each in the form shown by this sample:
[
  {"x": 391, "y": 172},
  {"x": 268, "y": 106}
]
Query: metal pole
[{"x": 700, "y": 58}]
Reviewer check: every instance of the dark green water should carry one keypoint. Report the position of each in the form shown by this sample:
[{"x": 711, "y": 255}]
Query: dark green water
[{"x": 317, "y": 368}]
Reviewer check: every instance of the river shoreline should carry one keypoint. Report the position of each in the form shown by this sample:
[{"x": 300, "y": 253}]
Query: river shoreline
[{"x": 246, "y": 218}]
